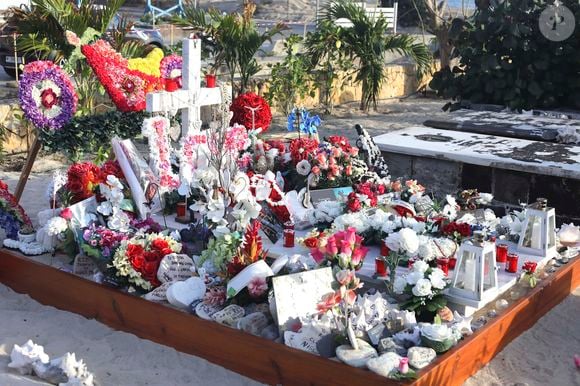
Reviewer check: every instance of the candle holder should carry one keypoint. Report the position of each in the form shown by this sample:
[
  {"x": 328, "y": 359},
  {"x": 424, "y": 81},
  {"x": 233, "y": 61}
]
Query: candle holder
[
  {"x": 511, "y": 265},
  {"x": 501, "y": 252},
  {"x": 475, "y": 277},
  {"x": 289, "y": 234},
  {"x": 452, "y": 263},
  {"x": 381, "y": 266},
  {"x": 538, "y": 236},
  {"x": 443, "y": 264}
]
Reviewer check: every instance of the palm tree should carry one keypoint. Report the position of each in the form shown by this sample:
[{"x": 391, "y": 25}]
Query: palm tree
[
  {"x": 233, "y": 39},
  {"x": 367, "y": 42}
]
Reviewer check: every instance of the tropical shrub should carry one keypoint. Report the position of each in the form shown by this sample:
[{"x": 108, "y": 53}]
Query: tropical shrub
[
  {"x": 366, "y": 42},
  {"x": 505, "y": 59}
]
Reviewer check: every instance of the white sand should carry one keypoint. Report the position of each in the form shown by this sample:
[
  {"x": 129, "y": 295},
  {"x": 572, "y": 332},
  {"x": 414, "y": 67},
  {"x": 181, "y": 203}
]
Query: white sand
[{"x": 541, "y": 356}]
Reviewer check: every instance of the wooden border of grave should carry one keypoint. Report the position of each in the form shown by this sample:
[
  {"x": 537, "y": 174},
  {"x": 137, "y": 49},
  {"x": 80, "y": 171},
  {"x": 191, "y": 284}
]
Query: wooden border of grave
[{"x": 261, "y": 359}]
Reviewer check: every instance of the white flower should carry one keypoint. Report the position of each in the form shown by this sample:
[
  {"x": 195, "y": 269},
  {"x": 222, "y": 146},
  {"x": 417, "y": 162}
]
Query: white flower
[
  {"x": 438, "y": 332},
  {"x": 303, "y": 167},
  {"x": 437, "y": 278},
  {"x": 240, "y": 187},
  {"x": 422, "y": 288},
  {"x": 484, "y": 198},
  {"x": 408, "y": 241},
  {"x": 450, "y": 212},
  {"x": 56, "y": 226},
  {"x": 426, "y": 249},
  {"x": 400, "y": 284},
  {"x": 451, "y": 200},
  {"x": 417, "y": 226},
  {"x": 393, "y": 242},
  {"x": 105, "y": 208},
  {"x": 420, "y": 266},
  {"x": 467, "y": 218},
  {"x": 414, "y": 277}
]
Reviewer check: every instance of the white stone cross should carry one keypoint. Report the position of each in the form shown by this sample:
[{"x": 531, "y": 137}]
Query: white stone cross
[{"x": 191, "y": 96}]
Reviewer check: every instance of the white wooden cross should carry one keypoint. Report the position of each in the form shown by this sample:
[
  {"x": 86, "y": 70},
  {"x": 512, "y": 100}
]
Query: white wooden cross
[{"x": 191, "y": 96}]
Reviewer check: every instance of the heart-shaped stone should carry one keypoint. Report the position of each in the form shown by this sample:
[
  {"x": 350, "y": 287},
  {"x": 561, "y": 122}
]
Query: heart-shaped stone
[
  {"x": 182, "y": 293},
  {"x": 175, "y": 267}
]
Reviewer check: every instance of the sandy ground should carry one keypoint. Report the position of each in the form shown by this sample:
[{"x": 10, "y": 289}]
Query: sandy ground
[{"x": 541, "y": 356}]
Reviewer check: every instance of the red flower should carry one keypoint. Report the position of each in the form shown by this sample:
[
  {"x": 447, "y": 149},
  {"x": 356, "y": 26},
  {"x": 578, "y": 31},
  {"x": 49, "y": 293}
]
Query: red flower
[
  {"x": 301, "y": 148},
  {"x": 311, "y": 242},
  {"x": 66, "y": 213},
  {"x": 134, "y": 251},
  {"x": 242, "y": 107},
  {"x": 353, "y": 204},
  {"x": 3, "y": 185},
  {"x": 111, "y": 168},
  {"x": 530, "y": 267},
  {"x": 340, "y": 141},
  {"x": 159, "y": 244},
  {"x": 83, "y": 178}
]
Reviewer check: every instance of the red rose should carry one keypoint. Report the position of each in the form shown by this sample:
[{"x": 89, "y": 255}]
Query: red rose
[
  {"x": 134, "y": 250},
  {"x": 137, "y": 263},
  {"x": 381, "y": 189},
  {"x": 166, "y": 251},
  {"x": 530, "y": 266},
  {"x": 3, "y": 186},
  {"x": 159, "y": 244},
  {"x": 111, "y": 168},
  {"x": 151, "y": 256},
  {"x": 311, "y": 242},
  {"x": 354, "y": 205},
  {"x": 66, "y": 213},
  {"x": 242, "y": 107}
]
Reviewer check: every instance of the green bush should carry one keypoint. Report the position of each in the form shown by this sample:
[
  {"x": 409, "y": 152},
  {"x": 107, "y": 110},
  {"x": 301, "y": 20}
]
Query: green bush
[
  {"x": 505, "y": 59},
  {"x": 88, "y": 134}
]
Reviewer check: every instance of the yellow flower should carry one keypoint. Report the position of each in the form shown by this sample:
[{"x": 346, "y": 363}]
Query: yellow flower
[{"x": 148, "y": 65}]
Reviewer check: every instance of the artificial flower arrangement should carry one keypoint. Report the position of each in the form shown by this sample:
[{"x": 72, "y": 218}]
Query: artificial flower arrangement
[
  {"x": 100, "y": 243},
  {"x": 137, "y": 259},
  {"x": 301, "y": 121},
  {"x": 149, "y": 65},
  {"x": 529, "y": 269},
  {"x": 343, "y": 249},
  {"x": 251, "y": 111},
  {"x": 127, "y": 88},
  {"x": 156, "y": 130},
  {"x": 424, "y": 285},
  {"x": 170, "y": 69},
  {"x": 13, "y": 218},
  {"x": 83, "y": 178},
  {"x": 47, "y": 95}
]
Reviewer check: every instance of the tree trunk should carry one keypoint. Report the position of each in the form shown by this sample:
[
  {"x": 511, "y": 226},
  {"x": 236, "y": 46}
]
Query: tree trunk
[{"x": 445, "y": 47}]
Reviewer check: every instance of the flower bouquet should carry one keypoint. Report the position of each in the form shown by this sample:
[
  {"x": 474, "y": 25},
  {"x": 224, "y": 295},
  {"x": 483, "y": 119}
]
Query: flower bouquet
[
  {"x": 343, "y": 249},
  {"x": 529, "y": 269},
  {"x": 251, "y": 111},
  {"x": 137, "y": 259},
  {"x": 100, "y": 244},
  {"x": 12, "y": 215},
  {"x": 425, "y": 287}
]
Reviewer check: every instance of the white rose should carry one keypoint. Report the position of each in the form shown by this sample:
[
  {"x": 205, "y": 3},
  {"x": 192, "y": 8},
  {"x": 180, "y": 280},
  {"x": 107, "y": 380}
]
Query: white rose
[
  {"x": 485, "y": 198},
  {"x": 426, "y": 249},
  {"x": 303, "y": 167},
  {"x": 450, "y": 212},
  {"x": 437, "y": 278},
  {"x": 56, "y": 226},
  {"x": 393, "y": 242},
  {"x": 408, "y": 241},
  {"x": 414, "y": 277},
  {"x": 422, "y": 288},
  {"x": 400, "y": 284},
  {"x": 420, "y": 266}
]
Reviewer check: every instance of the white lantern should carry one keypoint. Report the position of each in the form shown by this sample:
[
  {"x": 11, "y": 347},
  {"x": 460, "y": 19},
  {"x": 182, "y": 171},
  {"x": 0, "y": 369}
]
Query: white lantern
[
  {"x": 538, "y": 235},
  {"x": 474, "y": 281}
]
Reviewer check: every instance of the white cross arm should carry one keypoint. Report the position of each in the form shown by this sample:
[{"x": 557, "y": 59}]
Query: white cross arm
[{"x": 181, "y": 99}]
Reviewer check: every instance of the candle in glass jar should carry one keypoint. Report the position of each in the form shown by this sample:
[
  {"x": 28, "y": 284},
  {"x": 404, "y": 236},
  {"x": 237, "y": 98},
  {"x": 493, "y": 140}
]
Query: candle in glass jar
[
  {"x": 384, "y": 249},
  {"x": 501, "y": 253},
  {"x": 380, "y": 266},
  {"x": 289, "y": 238},
  {"x": 512, "y": 263},
  {"x": 181, "y": 209},
  {"x": 443, "y": 264},
  {"x": 452, "y": 262}
]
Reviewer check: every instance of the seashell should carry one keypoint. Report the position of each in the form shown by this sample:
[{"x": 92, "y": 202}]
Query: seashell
[
  {"x": 445, "y": 314},
  {"x": 462, "y": 323},
  {"x": 22, "y": 357},
  {"x": 77, "y": 371},
  {"x": 50, "y": 373}
]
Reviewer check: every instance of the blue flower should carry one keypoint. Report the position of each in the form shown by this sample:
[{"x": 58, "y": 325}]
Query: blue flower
[
  {"x": 309, "y": 124},
  {"x": 291, "y": 120},
  {"x": 10, "y": 224}
]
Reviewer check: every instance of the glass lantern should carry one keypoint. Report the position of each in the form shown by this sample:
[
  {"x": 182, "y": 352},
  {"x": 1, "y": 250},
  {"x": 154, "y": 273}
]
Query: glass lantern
[
  {"x": 538, "y": 235},
  {"x": 475, "y": 275}
]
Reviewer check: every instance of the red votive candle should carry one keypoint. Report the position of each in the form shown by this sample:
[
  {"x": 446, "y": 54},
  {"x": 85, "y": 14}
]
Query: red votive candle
[
  {"x": 501, "y": 253},
  {"x": 380, "y": 266},
  {"x": 289, "y": 238},
  {"x": 512, "y": 263},
  {"x": 443, "y": 264},
  {"x": 181, "y": 209},
  {"x": 452, "y": 262},
  {"x": 384, "y": 249},
  {"x": 172, "y": 84}
]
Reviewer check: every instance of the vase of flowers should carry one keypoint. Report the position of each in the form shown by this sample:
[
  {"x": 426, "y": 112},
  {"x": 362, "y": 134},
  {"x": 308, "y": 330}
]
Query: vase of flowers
[{"x": 529, "y": 269}]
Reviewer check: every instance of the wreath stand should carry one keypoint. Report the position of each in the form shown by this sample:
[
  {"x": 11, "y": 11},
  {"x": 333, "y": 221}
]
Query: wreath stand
[{"x": 25, "y": 173}]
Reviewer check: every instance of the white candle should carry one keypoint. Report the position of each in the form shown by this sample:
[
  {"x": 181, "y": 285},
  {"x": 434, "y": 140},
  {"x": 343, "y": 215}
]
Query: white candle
[
  {"x": 469, "y": 279},
  {"x": 536, "y": 234}
]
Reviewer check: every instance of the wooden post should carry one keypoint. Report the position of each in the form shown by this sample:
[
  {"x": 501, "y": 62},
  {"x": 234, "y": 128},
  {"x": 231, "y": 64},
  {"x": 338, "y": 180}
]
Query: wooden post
[{"x": 27, "y": 168}]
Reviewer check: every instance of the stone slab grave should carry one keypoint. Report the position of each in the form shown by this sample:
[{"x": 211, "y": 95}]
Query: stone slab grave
[{"x": 467, "y": 151}]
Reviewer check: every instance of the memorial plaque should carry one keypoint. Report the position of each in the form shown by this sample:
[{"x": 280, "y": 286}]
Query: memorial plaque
[
  {"x": 271, "y": 225},
  {"x": 297, "y": 295},
  {"x": 84, "y": 266},
  {"x": 159, "y": 294},
  {"x": 175, "y": 267}
]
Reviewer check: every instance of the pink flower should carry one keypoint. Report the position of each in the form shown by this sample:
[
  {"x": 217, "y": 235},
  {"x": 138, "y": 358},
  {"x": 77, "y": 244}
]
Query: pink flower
[
  {"x": 331, "y": 247},
  {"x": 350, "y": 236},
  {"x": 315, "y": 170},
  {"x": 577, "y": 361},
  {"x": 328, "y": 302},
  {"x": 317, "y": 255},
  {"x": 336, "y": 152},
  {"x": 72, "y": 38},
  {"x": 404, "y": 365},
  {"x": 348, "y": 170},
  {"x": 358, "y": 255},
  {"x": 321, "y": 158},
  {"x": 348, "y": 295},
  {"x": 257, "y": 287},
  {"x": 66, "y": 213},
  {"x": 345, "y": 276}
]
